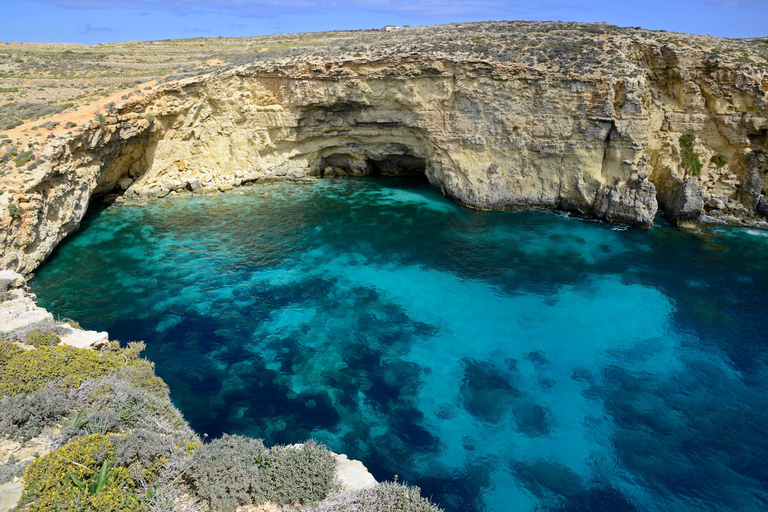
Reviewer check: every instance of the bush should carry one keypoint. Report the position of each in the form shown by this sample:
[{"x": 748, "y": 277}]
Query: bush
[
  {"x": 145, "y": 453},
  {"x": 303, "y": 474},
  {"x": 689, "y": 160},
  {"x": 24, "y": 417},
  {"x": 225, "y": 472},
  {"x": 7, "y": 351},
  {"x": 28, "y": 371},
  {"x": 13, "y": 114},
  {"x": 49, "y": 486},
  {"x": 15, "y": 210},
  {"x": 236, "y": 470},
  {"x": 70, "y": 124},
  {"x": 38, "y": 338},
  {"x": 384, "y": 497},
  {"x": 718, "y": 160},
  {"x": 144, "y": 447}
]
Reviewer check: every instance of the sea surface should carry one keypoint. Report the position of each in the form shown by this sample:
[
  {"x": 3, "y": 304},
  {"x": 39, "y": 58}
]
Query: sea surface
[{"x": 502, "y": 361}]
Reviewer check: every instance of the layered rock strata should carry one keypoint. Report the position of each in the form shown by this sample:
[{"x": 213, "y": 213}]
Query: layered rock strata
[{"x": 488, "y": 134}]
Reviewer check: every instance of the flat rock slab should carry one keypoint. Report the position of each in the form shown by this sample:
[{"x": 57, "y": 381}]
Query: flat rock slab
[
  {"x": 10, "y": 494},
  {"x": 22, "y": 313},
  {"x": 82, "y": 339},
  {"x": 352, "y": 474}
]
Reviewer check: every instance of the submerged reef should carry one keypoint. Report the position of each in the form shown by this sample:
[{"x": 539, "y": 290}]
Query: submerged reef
[{"x": 94, "y": 430}]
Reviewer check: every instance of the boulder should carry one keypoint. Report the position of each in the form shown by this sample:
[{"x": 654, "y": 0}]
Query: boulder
[
  {"x": 10, "y": 280},
  {"x": 352, "y": 474},
  {"x": 762, "y": 206},
  {"x": 750, "y": 190},
  {"x": 633, "y": 201},
  {"x": 125, "y": 183},
  {"x": 82, "y": 339}
]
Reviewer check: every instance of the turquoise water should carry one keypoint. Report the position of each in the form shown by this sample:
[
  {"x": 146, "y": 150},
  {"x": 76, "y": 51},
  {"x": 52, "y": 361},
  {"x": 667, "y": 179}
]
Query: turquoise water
[{"x": 501, "y": 361}]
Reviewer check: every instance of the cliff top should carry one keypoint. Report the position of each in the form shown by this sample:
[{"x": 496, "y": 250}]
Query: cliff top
[{"x": 50, "y": 89}]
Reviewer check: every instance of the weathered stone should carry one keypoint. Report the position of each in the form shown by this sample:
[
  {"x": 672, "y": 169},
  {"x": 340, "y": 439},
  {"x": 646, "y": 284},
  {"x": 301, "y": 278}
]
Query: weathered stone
[
  {"x": 633, "y": 201},
  {"x": 194, "y": 185},
  {"x": 490, "y": 135},
  {"x": 762, "y": 206},
  {"x": 690, "y": 204},
  {"x": 750, "y": 190},
  {"x": 10, "y": 494},
  {"x": 716, "y": 203},
  {"x": 81, "y": 338},
  {"x": 125, "y": 183},
  {"x": 10, "y": 279},
  {"x": 352, "y": 474}
]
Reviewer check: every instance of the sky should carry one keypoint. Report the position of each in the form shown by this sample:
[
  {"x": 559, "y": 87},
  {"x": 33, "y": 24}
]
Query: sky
[{"x": 107, "y": 21}]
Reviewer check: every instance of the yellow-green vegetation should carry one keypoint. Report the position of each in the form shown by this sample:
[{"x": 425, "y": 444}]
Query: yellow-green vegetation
[
  {"x": 38, "y": 338},
  {"x": 718, "y": 160},
  {"x": 125, "y": 447},
  {"x": 62, "y": 366},
  {"x": 7, "y": 351},
  {"x": 14, "y": 210},
  {"x": 51, "y": 482},
  {"x": 689, "y": 159}
]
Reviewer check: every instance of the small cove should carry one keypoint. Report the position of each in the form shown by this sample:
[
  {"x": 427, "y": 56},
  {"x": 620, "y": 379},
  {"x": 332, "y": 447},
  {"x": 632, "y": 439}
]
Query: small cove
[{"x": 499, "y": 360}]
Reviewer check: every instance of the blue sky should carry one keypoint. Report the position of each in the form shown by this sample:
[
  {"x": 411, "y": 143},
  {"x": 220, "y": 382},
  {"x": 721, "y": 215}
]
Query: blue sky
[{"x": 95, "y": 21}]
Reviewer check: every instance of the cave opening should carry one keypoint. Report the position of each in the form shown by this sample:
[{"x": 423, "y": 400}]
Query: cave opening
[{"x": 370, "y": 160}]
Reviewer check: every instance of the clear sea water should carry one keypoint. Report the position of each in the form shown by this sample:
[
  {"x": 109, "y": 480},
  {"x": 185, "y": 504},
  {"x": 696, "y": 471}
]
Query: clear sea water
[{"x": 501, "y": 361}]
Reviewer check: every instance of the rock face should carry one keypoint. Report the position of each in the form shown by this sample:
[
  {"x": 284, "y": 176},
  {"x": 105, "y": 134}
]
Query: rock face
[
  {"x": 19, "y": 314},
  {"x": 489, "y": 134}
]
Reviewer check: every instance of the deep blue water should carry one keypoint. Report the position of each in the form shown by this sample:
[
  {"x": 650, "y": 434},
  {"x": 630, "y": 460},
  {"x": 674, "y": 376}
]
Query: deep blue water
[{"x": 501, "y": 361}]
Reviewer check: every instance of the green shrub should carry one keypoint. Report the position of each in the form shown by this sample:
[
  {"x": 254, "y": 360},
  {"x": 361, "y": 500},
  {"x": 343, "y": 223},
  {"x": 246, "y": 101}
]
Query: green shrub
[
  {"x": 236, "y": 470},
  {"x": 70, "y": 124},
  {"x": 49, "y": 482},
  {"x": 140, "y": 373},
  {"x": 689, "y": 160},
  {"x": 38, "y": 338},
  {"x": 24, "y": 417},
  {"x": 146, "y": 452},
  {"x": 303, "y": 475},
  {"x": 24, "y": 157},
  {"x": 7, "y": 351},
  {"x": 149, "y": 117},
  {"x": 142, "y": 446},
  {"x": 718, "y": 160},
  {"x": 63, "y": 366},
  {"x": 225, "y": 472},
  {"x": 384, "y": 497},
  {"x": 15, "y": 210}
]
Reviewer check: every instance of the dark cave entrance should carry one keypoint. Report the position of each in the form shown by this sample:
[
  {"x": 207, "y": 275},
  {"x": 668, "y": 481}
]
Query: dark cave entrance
[{"x": 371, "y": 159}]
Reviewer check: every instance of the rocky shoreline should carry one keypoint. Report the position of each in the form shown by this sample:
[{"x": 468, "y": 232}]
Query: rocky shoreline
[
  {"x": 597, "y": 130},
  {"x": 20, "y": 317}
]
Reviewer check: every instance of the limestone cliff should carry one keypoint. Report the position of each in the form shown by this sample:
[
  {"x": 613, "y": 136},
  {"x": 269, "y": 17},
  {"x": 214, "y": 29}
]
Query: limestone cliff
[{"x": 594, "y": 131}]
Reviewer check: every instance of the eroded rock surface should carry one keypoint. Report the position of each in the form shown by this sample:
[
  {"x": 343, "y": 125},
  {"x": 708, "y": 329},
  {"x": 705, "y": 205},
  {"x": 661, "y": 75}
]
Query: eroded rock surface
[
  {"x": 20, "y": 314},
  {"x": 598, "y": 133}
]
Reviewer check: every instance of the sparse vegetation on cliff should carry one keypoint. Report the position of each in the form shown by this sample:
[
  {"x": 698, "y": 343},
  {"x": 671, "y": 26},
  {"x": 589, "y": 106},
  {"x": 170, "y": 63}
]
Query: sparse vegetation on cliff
[
  {"x": 236, "y": 470},
  {"x": 689, "y": 159},
  {"x": 14, "y": 211},
  {"x": 718, "y": 160},
  {"x": 123, "y": 446}
]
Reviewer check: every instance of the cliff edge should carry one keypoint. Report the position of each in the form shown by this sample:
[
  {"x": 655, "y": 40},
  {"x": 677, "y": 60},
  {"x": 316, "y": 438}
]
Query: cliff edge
[{"x": 497, "y": 115}]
